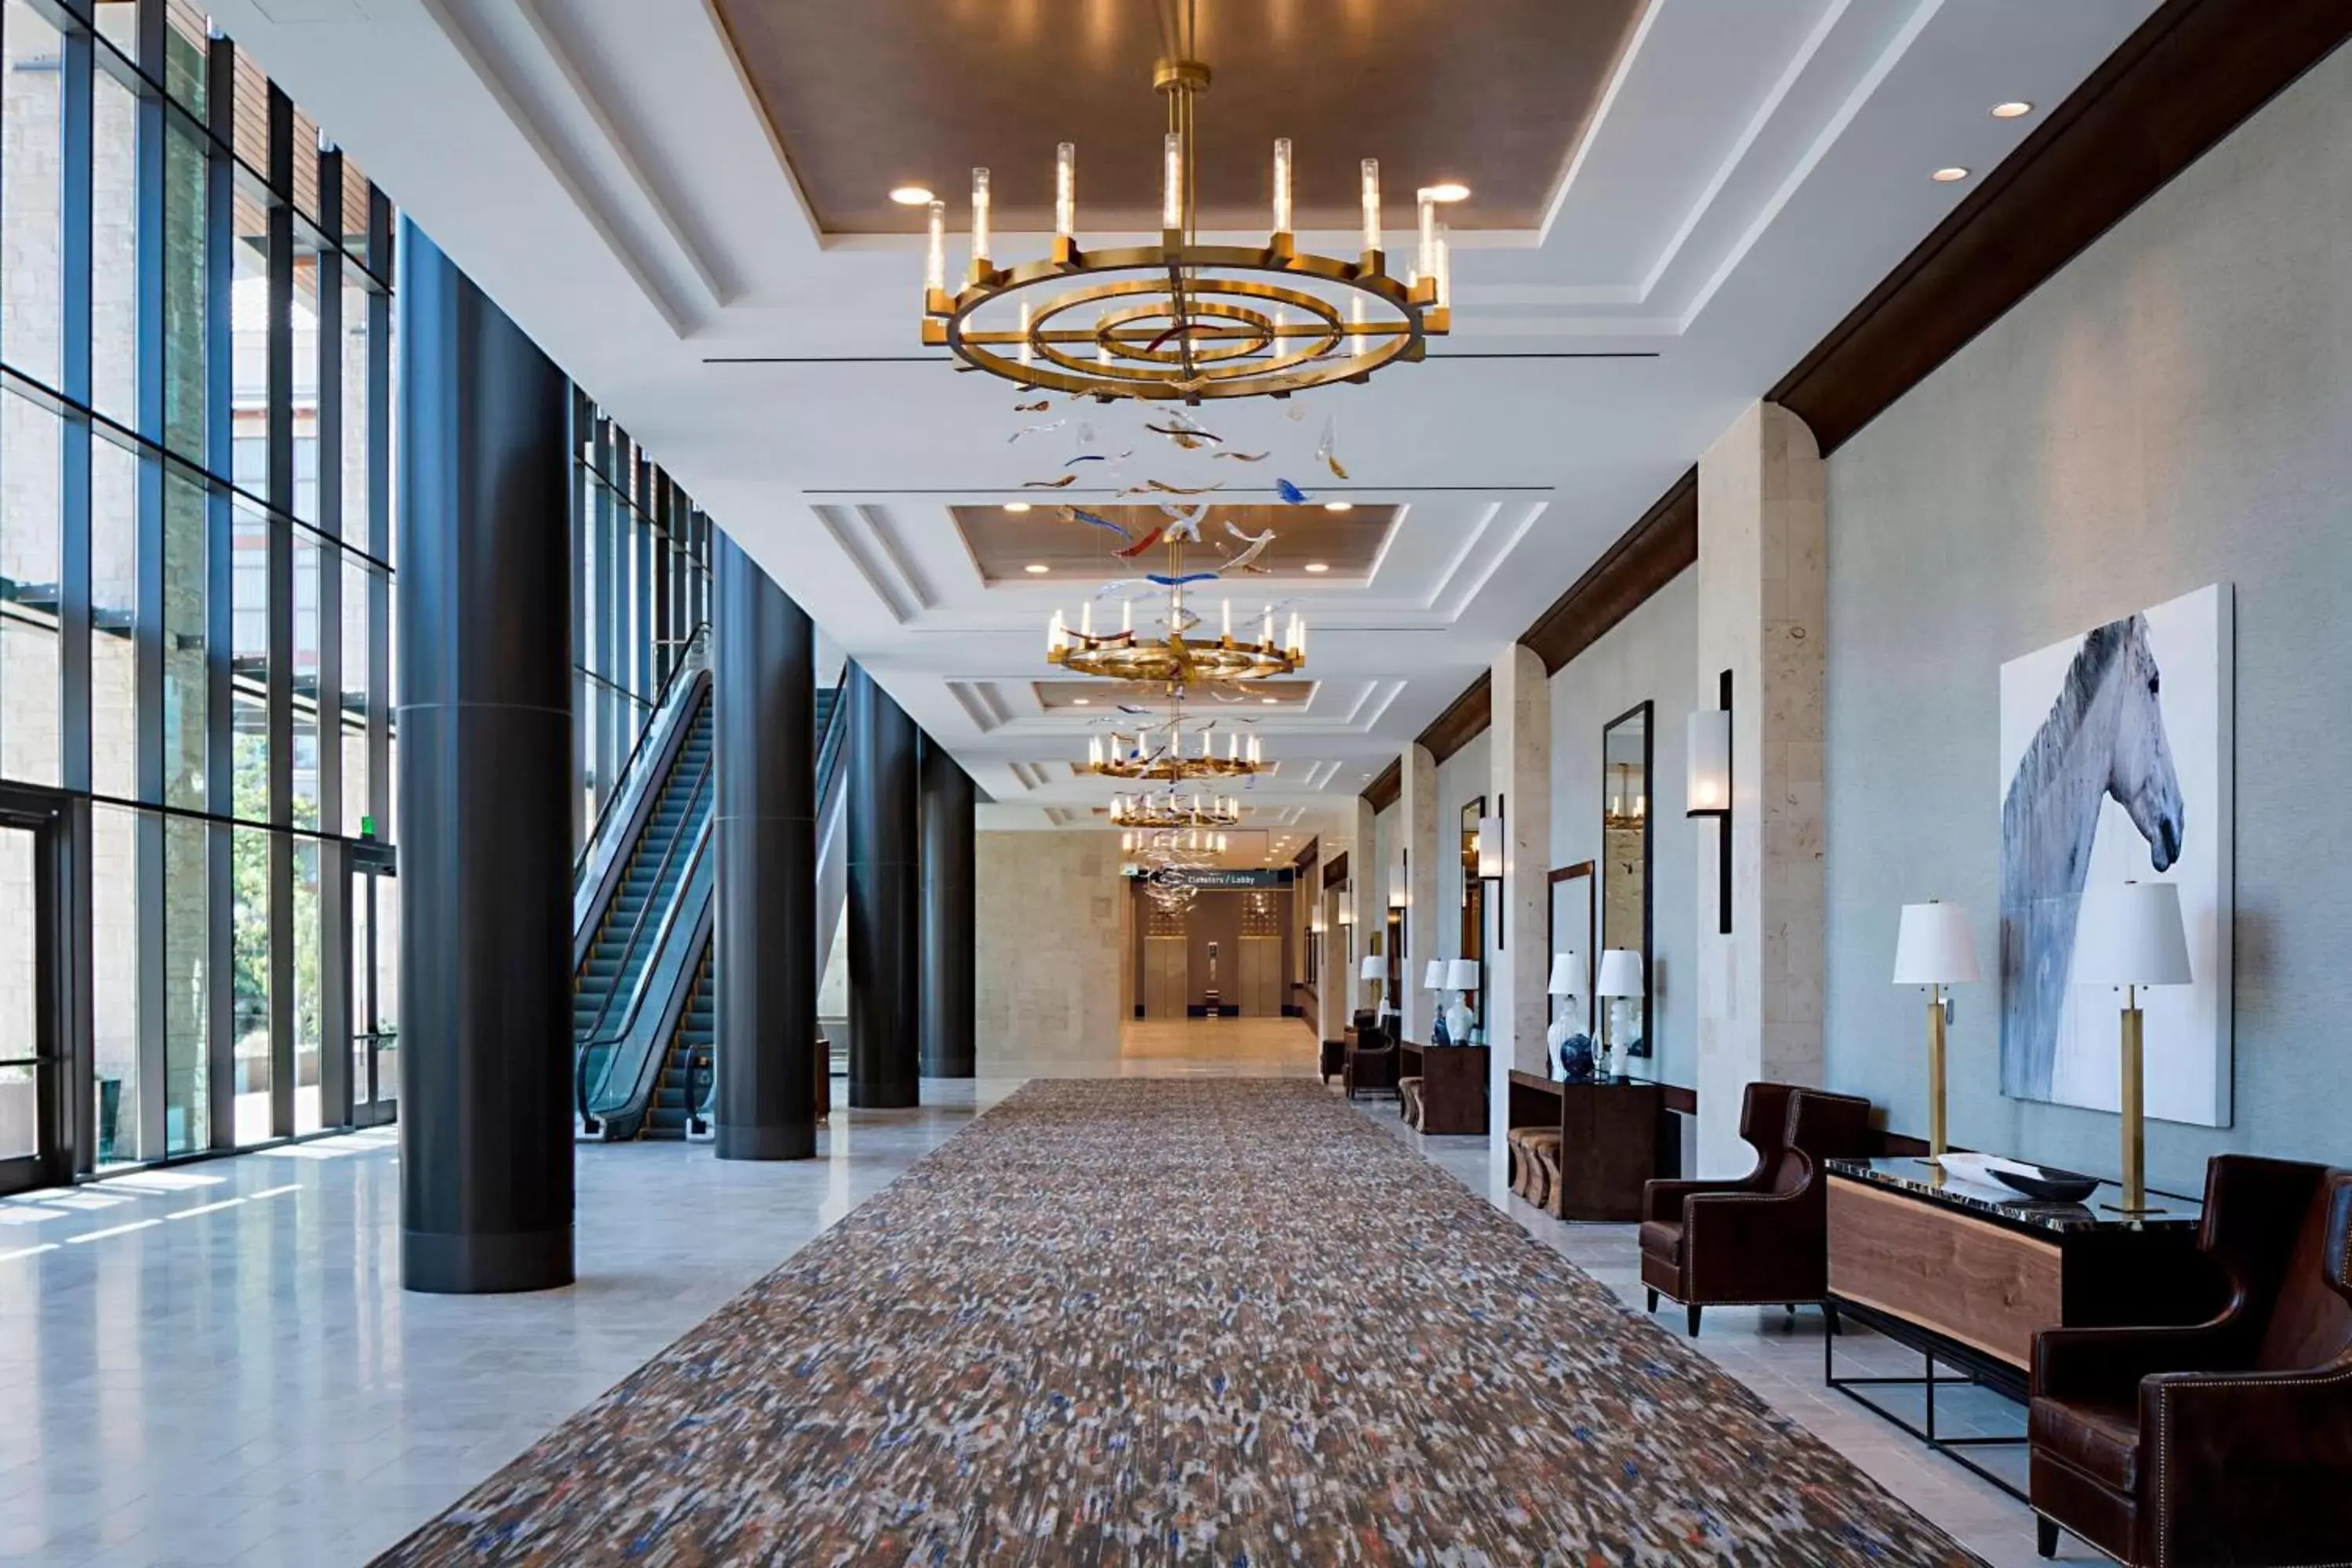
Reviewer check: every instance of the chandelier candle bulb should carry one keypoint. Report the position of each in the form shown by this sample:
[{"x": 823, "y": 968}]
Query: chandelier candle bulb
[
  {"x": 1444, "y": 268},
  {"x": 1127, "y": 615},
  {"x": 1256, "y": 752},
  {"x": 1371, "y": 203},
  {"x": 1233, "y": 748},
  {"x": 1065, "y": 190},
  {"x": 1266, "y": 635},
  {"x": 1281, "y": 185},
  {"x": 1086, "y": 619},
  {"x": 1172, "y": 180},
  {"x": 1024, "y": 352},
  {"x": 1053, "y": 634},
  {"x": 1425, "y": 258},
  {"x": 935, "y": 252},
  {"x": 1225, "y": 614},
  {"x": 979, "y": 245},
  {"x": 1093, "y": 750}
]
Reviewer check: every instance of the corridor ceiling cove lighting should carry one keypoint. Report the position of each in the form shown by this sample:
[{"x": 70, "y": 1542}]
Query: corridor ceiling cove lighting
[{"x": 1181, "y": 321}]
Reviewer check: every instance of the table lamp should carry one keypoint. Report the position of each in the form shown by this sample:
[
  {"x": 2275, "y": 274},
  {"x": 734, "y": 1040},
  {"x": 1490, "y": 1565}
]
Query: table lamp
[
  {"x": 1462, "y": 977},
  {"x": 1621, "y": 976},
  {"x": 1564, "y": 981},
  {"x": 1935, "y": 948},
  {"x": 2132, "y": 936},
  {"x": 1374, "y": 968}
]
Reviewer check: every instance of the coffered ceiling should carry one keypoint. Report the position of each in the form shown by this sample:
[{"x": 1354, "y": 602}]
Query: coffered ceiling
[
  {"x": 865, "y": 96},
  {"x": 1315, "y": 545},
  {"x": 683, "y": 201}
]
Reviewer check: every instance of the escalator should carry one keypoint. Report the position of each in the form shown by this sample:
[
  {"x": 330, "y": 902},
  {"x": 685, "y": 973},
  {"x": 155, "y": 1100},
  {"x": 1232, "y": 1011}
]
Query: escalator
[{"x": 645, "y": 1015}]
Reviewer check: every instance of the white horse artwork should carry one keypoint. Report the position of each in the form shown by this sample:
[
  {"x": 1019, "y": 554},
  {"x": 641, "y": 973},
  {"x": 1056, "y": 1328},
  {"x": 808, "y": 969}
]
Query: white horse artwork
[{"x": 2116, "y": 774}]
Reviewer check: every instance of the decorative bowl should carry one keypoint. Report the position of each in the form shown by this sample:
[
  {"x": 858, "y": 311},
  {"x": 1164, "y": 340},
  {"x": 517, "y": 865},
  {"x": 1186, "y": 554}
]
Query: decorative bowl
[{"x": 2052, "y": 1186}]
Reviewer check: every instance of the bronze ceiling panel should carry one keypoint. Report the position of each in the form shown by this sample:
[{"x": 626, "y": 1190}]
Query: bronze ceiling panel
[
  {"x": 867, "y": 94},
  {"x": 1005, "y": 544}
]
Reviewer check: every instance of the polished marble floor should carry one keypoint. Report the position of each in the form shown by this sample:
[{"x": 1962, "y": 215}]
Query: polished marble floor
[{"x": 214, "y": 1363}]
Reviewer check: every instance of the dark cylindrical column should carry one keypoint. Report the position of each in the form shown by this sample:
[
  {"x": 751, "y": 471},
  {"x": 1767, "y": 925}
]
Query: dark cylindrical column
[
  {"x": 763, "y": 681},
  {"x": 485, "y": 793},
  {"x": 950, "y": 1005},
  {"x": 884, "y": 899}
]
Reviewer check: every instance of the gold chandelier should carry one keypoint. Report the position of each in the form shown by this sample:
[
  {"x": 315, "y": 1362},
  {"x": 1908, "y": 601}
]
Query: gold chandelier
[
  {"x": 1172, "y": 764},
  {"x": 1181, "y": 320},
  {"x": 1169, "y": 809},
  {"x": 1174, "y": 660}
]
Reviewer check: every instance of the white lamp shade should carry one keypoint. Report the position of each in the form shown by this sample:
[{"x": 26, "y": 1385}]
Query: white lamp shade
[
  {"x": 1708, "y": 770},
  {"x": 1933, "y": 946},
  {"x": 1399, "y": 892},
  {"x": 1432, "y": 978},
  {"x": 1374, "y": 967},
  {"x": 1620, "y": 973},
  {"x": 1490, "y": 849},
  {"x": 2131, "y": 935},
  {"x": 1461, "y": 974},
  {"x": 1565, "y": 975}
]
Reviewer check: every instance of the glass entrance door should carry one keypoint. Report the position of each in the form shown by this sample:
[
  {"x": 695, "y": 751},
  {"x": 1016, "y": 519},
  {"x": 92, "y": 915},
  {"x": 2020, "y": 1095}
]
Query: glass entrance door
[
  {"x": 375, "y": 952},
  {"x": 33, "y": 1136}
]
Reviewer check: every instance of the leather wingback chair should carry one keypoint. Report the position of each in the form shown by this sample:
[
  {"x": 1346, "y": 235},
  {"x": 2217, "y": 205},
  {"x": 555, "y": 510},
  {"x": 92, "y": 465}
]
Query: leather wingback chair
[
  {"x": 1371, "y": 1063},
  {"x": 1764, "y": 1239},
  {"x": 2230, "y": 1441}
]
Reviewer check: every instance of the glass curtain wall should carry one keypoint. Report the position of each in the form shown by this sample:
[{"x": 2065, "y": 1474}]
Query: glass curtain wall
[
  {"x": 195, "y": 548},
  {"x": 640, "y": 599}
]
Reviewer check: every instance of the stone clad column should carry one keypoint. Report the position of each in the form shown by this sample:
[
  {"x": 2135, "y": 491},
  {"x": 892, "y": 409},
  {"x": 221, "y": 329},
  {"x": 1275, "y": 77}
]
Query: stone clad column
[
  {"x": 1424, "y": 933},
  {"x": 1518, "y": 931},
  {"x": 485, "y": 793},
  {"x": 1762, "y": 602},
  {"x": 949, "y": 1000},
  {"x": 763, "y": 688},
  {"x": 885, "y": 899}
]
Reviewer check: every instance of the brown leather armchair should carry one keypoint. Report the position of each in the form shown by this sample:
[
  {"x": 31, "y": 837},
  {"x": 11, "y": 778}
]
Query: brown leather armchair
[
  {"x": 1764, "y": 1239},
  {"x": 2230, "y": 1441},
  {"x": 1371, "y": 1063}
]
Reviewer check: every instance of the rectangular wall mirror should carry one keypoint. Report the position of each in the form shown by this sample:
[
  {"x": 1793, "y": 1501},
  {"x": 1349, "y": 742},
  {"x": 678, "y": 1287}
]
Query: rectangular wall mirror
[
  {"x": 1473, "y": 911},
  {"x": 1625, "y": 751},
  {"x": 1569, "y": 927}
]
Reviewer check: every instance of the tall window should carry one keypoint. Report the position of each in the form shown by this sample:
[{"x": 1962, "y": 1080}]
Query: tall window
[
  {"x": 195, "y": 555},
  {"x": 640, "y": 596}
]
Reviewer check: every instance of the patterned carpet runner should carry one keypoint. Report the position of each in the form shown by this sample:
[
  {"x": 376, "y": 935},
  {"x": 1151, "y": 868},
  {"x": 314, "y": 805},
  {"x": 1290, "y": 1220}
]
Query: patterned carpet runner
[{"x": 1165, "y": 1321}]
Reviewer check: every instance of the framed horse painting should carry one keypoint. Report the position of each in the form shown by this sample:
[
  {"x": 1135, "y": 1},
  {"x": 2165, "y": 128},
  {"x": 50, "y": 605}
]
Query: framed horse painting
[{"x": 2116, "y": 766}]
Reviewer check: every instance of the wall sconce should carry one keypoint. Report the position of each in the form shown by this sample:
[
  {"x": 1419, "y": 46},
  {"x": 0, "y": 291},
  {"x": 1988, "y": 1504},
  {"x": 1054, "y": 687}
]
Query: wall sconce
[
  {"x": 1708, "y": 789},
  {"x": 1491, "y": 846},
  {"x": 1400, "y": 891}
]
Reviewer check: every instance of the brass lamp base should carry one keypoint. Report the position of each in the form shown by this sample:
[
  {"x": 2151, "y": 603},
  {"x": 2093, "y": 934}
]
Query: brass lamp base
[
  {"x": 1936, "y": 1147},
  {"x": 2134, "y": 1121}
]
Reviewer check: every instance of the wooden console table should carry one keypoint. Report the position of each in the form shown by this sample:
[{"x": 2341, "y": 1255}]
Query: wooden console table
[
  {"x": 1453, "y": 1088},
  {"x": 1609, "y": 1147},
  {"x": 1967, "y": 1276}
]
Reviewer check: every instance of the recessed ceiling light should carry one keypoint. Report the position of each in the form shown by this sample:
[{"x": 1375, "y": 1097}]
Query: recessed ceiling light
[
  {"x": 1952, "y": 176},
  {"x": 2015, "y": 109},
  {"x": 1339, "y": 506},
  {"x": 1036, "y": 568},
  {"x": 1269, "y": 701},
  {"x": 1447, "y": 190},
  {"x": 1319, "y": 566},
  {"x": 1082, "y": 701},
  {"x": 911, "y": 196},
  {"x": 1016, "y": 506}
]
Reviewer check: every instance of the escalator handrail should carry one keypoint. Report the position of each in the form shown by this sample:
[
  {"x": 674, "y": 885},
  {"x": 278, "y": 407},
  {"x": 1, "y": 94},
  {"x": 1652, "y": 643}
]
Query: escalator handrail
[
  {"x": 828, "y": 762},
  {"x": 585, "y": 1096},
  {"x": 620, "y": 790},
  {"x": 695, "y": 793},
  {"x": 596, "y": 1032},
  {"x": 589, "y": 1098}
]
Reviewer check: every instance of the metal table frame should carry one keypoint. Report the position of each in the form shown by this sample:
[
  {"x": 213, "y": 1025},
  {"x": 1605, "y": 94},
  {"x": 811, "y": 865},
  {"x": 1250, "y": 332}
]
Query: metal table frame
[{"x": 1975, "y": 1366}]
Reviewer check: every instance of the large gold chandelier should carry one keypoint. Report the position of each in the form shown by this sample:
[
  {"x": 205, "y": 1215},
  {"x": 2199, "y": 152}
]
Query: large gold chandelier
[
  {"x": 1174, "y": 660},
  {"x": 1181, "y": 320}
]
